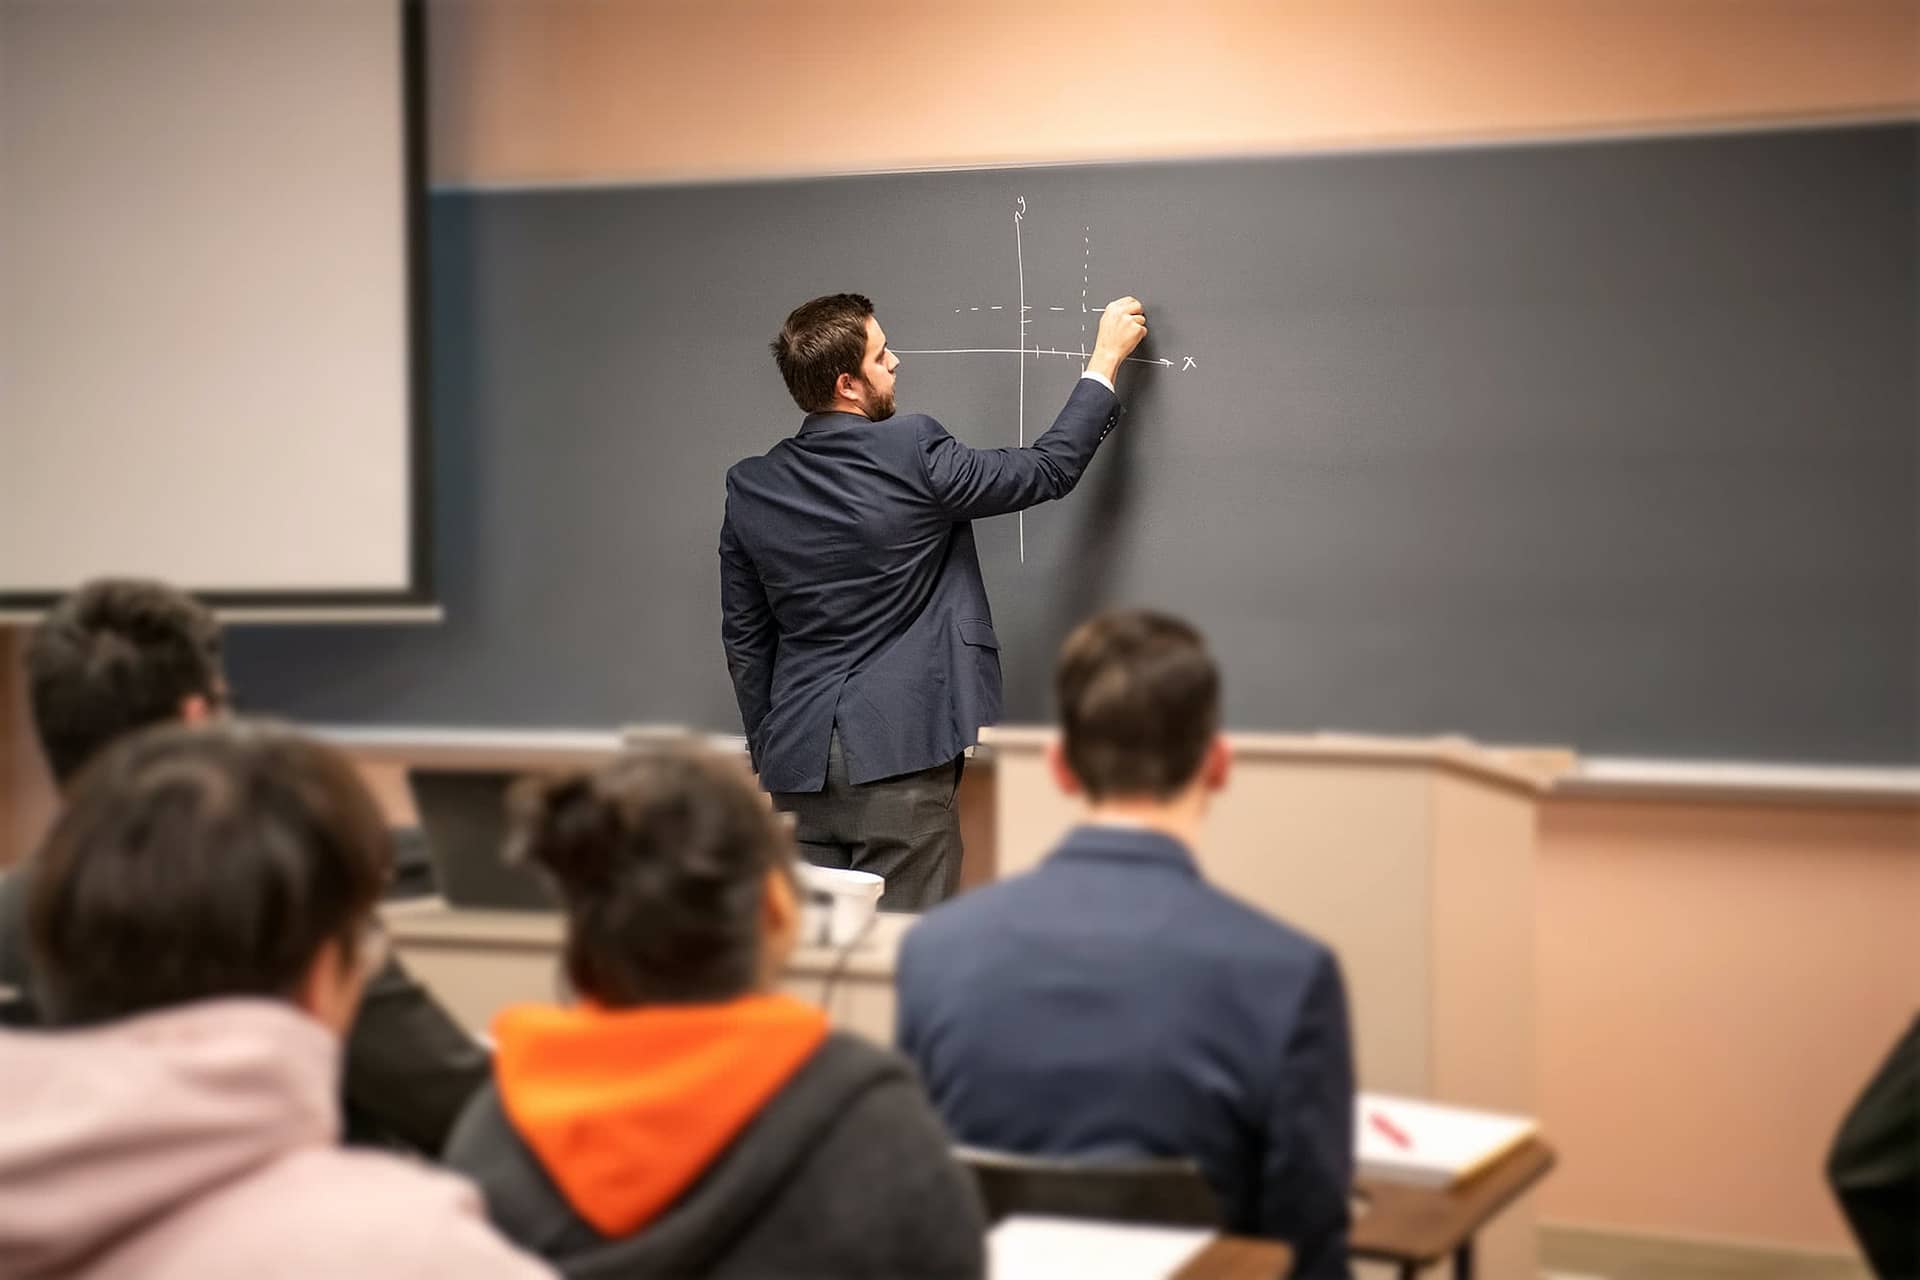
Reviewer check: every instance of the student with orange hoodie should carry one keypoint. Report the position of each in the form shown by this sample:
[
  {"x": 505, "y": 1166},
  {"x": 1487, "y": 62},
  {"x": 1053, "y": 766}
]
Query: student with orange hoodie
[{"x": 682, "y": 1118}]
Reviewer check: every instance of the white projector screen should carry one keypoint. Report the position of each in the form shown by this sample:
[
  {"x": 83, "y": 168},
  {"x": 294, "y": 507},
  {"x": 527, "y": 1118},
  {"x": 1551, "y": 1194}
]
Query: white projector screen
[{"x": 210, "y": 217}]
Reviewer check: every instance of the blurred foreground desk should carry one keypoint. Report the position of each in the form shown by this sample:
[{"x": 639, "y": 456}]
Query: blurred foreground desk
[
  {"x": 1022, "y": 1247},
  {"x": 1415, "y": 1227},
  {"x": 1237, "y": 1258},
  {"x": 478, "y": 962},
  {"x": 1408, "y": 1228}
]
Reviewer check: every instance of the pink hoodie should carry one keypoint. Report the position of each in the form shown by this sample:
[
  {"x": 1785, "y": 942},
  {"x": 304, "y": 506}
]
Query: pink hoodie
[{"x": 201, "y": 1141}]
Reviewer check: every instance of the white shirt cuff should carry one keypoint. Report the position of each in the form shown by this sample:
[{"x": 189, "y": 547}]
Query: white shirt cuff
[{"x": 1100, "y": 378}]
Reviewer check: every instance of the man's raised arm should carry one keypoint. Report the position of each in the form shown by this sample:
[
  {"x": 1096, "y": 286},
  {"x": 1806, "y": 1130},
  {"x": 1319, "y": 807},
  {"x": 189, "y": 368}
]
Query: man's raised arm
[{"x": 973, "y": 483}]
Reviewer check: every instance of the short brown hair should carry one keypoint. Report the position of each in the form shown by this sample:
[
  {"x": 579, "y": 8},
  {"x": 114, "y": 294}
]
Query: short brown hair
[
  {"x": 1139, "y": 699},
  {"x": 661, "y": 859},
  {"x": 820, "y": 341},
  {"x": 192, "y": 863}
]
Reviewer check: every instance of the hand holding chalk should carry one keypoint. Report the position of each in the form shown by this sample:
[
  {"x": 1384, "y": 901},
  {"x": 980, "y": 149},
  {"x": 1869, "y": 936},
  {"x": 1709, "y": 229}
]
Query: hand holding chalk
[{"x": 1122, "y": 325}]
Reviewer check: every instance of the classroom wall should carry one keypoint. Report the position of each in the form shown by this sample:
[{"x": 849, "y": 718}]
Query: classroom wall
[
  {"x": 1717, "y": 982},
  {"x": 1675, "y": 925},
  {"x": 1729, "y": 974},
  {"x": 598, "y": 89}
]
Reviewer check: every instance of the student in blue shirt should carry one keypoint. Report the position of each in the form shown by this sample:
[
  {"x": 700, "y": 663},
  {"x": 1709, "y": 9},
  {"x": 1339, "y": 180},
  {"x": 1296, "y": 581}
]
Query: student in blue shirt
[{"x": 1111, "y": 1003}]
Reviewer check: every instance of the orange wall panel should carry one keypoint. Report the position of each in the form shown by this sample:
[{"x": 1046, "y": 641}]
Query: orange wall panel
[
  {"x": 1716, "y": 983},
  {"x": 580, "y": 90}
]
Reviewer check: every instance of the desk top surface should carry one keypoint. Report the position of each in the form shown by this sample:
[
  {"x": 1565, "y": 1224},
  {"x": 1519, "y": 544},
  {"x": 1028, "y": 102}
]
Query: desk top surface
[
  {"x": 1423, "y": 1224},
  {"x": 568, "y": 748},
  {"x": 1525, "y": 772},
  {"x": 1237, "y": 1258},
  {"x": 1047, "y": 1246}
]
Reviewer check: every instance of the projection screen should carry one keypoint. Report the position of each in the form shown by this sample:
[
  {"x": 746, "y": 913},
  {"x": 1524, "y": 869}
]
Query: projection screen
[{"x": 211, "y": 342}]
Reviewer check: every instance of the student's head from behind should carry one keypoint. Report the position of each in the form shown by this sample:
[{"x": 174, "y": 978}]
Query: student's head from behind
[
  {"x": 117, "y": 655},
  {"x": 193, "y": 863},
  {"x": 834, "y": 358},
  {"x": 1139, "y": 702},
  {"x": 675, "y": 874}
]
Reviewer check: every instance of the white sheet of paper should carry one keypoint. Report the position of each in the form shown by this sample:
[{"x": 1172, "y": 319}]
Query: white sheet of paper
[
  {"x": 1026, "y": 1247},
  {"x": 1441, "y": 1143}
]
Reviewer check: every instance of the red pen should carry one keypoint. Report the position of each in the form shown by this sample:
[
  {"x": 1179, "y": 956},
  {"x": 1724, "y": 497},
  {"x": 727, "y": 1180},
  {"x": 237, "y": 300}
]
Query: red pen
[{"x": 1395, "y": 1134}]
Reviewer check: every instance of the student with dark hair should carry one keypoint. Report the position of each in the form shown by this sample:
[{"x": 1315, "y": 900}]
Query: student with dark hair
[
  {"x": 201, "y": 922},
  {"x": 1110, "y": 1003},
  {"x": 684, "y": 1119},
  {"x": 121, "y": 654},
  {"x": 852, "y": 610},
  {"x": 117, "y": 655}
]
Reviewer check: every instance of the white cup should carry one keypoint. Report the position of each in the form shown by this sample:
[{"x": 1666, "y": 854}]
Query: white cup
[{"x": 836, "y": 905}]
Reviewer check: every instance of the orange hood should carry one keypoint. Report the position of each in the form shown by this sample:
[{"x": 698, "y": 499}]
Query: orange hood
[{"x": 626, "y": 1108}]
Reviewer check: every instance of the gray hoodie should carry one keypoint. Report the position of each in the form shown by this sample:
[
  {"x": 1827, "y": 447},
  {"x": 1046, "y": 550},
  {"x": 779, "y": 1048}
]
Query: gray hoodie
[
  {"x": 843, "y": 1174},
  {"x": 202, "y": 1141}
]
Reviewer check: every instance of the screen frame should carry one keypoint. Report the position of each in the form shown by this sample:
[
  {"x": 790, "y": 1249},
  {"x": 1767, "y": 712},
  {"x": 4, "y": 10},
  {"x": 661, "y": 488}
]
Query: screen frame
[{"x": 417, "y": 601}]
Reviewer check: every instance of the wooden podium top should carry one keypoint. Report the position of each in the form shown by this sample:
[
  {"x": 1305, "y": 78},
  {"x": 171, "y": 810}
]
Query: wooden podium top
[
  {"x": 1531, "y": 771},
  {"x": 433, "y": 923}
]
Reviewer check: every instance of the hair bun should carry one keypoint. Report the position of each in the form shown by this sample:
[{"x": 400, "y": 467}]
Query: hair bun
[{"x": 560, "y": 825}]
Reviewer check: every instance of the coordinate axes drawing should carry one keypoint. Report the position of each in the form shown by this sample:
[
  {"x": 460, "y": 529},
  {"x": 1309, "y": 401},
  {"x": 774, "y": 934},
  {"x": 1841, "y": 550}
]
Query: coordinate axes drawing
[{"x": 1030, "y": 348}]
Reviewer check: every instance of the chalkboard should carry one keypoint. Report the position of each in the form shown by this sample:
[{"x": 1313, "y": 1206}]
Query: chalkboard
[{"x": 1609, "y": 444}]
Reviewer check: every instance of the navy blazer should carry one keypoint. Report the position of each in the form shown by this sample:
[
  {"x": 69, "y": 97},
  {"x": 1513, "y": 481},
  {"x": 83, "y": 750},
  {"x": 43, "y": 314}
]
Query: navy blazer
[
  {"x": 1111, "y": 1003},
  {"x": 850, "y": 589}
]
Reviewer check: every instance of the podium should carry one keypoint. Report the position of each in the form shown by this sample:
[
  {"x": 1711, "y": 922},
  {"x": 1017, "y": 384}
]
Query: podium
[{"x": 1412, "y": 858}]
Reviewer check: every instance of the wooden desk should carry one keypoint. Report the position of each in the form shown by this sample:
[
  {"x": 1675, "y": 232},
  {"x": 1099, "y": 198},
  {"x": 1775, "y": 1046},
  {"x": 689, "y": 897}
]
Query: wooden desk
[
  {"x": 1415, "y": 1227},
  {"x": 1238, "y": 1258},
  {"x": 1049, "y": 1246},
  {"x": 1407, "y": 1227}
]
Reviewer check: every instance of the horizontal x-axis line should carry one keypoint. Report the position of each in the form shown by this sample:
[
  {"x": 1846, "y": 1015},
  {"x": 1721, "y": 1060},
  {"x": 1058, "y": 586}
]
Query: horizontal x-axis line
[{"x": 1011, "y": 351}]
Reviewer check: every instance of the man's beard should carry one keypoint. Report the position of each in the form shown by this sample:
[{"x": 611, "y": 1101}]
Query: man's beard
[{"x": 877, "y": 406}]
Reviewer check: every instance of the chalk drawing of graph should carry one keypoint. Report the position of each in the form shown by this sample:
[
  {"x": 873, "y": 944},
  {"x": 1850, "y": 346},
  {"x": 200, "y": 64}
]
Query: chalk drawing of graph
[{"x": 1029, "y": 348}]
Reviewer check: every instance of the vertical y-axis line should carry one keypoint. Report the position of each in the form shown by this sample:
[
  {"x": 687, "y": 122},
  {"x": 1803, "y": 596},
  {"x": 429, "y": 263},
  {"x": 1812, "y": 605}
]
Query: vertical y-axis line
[
  {"x": 1020, "y": 262},
  {"x": 1086, "y": 273}
]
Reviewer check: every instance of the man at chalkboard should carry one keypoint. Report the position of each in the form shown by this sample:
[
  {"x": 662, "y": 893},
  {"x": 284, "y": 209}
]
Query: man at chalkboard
[{"x": 853, "y": 612}]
